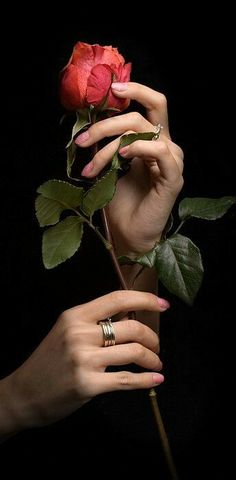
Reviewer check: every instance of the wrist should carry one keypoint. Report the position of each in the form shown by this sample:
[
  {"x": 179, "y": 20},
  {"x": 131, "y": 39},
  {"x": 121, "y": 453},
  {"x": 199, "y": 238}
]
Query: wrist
[{"x": 10, "y": 418}]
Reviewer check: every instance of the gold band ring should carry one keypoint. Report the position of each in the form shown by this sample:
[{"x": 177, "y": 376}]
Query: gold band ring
[{"x": 108, "y": 332}]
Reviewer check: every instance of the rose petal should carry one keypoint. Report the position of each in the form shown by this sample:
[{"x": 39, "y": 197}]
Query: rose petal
[
  {"x": 121, "y": 74},
  {"x": 99, "y": 83},
  {"x": 107, "y": 55},
  {"x": 124, "y": 74},
  {"x": 72, "y": 88},
  {"x": 83, "y": 56}
]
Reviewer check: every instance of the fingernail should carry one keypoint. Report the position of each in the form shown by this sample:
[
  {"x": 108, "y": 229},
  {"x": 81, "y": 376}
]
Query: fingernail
[
  {"x": 120, "y": 87},
  {"x": 87, "y": 169},
  {"x": 123, "y": 151},
  {"x": 158, "y": 378},
  {"x": 163, "y": 303},
  {"x": 82, "y": 138}
]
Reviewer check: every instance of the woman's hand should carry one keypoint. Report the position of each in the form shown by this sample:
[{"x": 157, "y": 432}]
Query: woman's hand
[
  {"x": 145, "y": 196},
  {"x": 68, "y": 367}
]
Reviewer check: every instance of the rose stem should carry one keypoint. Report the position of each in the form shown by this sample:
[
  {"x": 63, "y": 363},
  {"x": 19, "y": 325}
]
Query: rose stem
[
  {"x": 153, "y": 396},
  {"x": 162, "y": 434}
]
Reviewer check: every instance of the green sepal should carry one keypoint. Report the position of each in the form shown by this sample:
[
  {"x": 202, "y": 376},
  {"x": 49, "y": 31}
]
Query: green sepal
[{"x": 83, "y": 119}]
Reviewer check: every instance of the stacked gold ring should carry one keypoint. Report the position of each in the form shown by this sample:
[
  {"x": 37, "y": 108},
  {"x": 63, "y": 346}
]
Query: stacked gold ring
[{"x": 108, "y": 332}]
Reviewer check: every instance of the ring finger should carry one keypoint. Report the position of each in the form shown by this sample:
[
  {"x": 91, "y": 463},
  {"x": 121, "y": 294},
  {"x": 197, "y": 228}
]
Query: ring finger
[{"x": 128, "y": 330}]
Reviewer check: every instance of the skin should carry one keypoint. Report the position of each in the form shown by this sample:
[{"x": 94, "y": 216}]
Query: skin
[
  {"x": 145, "y": 196},
  {"x": 68, "y": 367}
]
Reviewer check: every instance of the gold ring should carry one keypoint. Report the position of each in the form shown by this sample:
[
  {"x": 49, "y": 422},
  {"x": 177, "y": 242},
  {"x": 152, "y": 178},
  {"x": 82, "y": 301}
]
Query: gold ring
[
  {"x": 158, "y": 129},
  {"x": 108, "y": 332}
]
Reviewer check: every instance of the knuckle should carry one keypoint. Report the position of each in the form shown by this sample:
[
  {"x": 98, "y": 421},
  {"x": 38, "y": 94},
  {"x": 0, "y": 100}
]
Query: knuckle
[
  {"x": 136, "y": 146},
  {"x": 76, "y": 359},
  {"x": 79, "y": 358},
  {"x": 137, "y": 351},
  {"x": 98, "y": 158},
  {"x": 178, "y": 185},
  {"x": 64, "y": 317},
  {"x": 124, "y": 379},
  {"x": 68, "y": 335},
  {"x": 117, "y": 297},
  {"x": 137, "y": 328},
  {"x": 180, "y": 153},
  {"x": 135, "y": 117},
  {"x": 162, "y": 147},
  {"x": 156, "y": 344},
  {"x": 161, "y": 100}
]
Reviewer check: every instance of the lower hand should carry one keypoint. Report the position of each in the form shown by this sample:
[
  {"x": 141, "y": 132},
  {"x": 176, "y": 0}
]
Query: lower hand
[{"x": 69, "y": 366}]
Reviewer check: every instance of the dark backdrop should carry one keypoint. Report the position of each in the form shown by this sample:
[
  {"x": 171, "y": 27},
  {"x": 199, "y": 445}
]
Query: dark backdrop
[{"x": 191, "y": 66}]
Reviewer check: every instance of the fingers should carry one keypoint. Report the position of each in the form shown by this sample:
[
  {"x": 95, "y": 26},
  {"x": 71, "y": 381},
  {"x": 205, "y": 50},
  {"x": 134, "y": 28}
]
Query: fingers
[
  {"x": 129, "y": 353},
  {"x": 133, "y": 331},
  {"x": 155, "y": 102},
  {"x": 157, "y": 156},
  {"x": 101, "y": 159},
  {"x": 118, "y": 301},
  {"x": 116, "y": 125},
  {"x": 128, "y": 330},
  {"x": 108, "y": 382}
]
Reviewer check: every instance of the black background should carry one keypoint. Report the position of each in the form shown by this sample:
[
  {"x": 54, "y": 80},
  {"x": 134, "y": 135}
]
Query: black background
[{"x": 190, "y": 62}]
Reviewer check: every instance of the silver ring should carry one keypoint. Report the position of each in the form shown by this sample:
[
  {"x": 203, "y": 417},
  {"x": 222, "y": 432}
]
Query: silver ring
[
  {"x": 108, "y": 331},
  {"x": 158, "y": 129}
]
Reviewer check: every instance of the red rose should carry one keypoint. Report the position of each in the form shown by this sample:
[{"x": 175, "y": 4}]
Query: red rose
[{"x": 87, "y": 77}]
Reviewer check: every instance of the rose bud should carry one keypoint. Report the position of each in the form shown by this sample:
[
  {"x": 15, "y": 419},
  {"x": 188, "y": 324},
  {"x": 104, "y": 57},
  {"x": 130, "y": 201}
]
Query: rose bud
[{"x": 87, "y": 78}]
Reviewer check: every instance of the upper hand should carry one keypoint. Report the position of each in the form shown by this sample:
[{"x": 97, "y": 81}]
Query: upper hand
[{"x": 145, "y": 196}]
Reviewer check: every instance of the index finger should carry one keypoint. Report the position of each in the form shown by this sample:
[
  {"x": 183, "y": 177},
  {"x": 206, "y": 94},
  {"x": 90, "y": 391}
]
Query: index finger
[
  {"x": 121, "y": 300},
  {"x": 154, "y": 102}
]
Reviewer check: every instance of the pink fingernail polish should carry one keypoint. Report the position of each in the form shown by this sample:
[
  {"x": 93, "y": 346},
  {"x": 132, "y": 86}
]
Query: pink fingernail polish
[
  {"x": 87, "y": 169},
  {"x": 158, "y": 378},
  {"x": 163, "y": 303},
  {"x": 119, "y": 86},
  {"x": 123, "y": 151},
  {"x": 82, "y": 138}
]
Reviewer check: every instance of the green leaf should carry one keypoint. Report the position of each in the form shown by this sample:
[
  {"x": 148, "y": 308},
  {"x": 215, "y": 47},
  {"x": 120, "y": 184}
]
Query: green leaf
[
  {"x": 66, "y": 194},
  {"x": 82, "y": 120},
  {"x": 179, "y": 266},
  {"x": 205, "y": 208},
  {"x": 56, "y": 196},
  {"x": 127, "y": 140},
  {"x": 62, "y": 241},
  {"x": 100, "y": 193},
  {"x": 47, "y": 211},
  {"x": 148, "y": 259}
]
